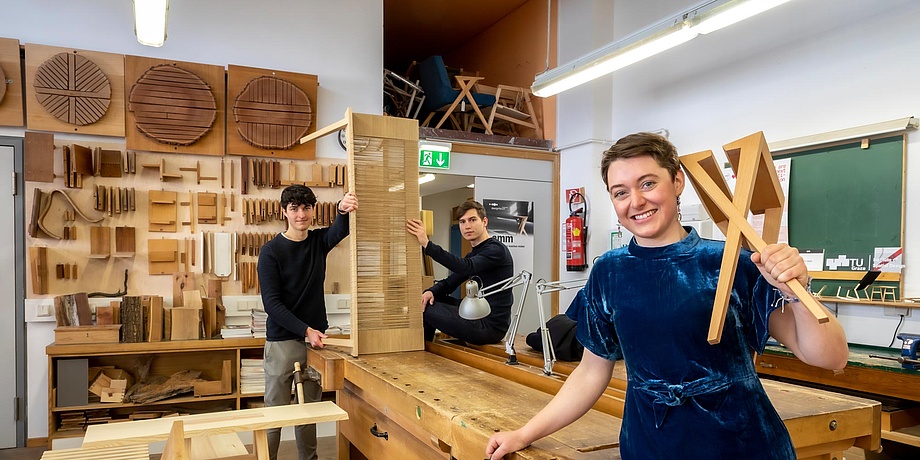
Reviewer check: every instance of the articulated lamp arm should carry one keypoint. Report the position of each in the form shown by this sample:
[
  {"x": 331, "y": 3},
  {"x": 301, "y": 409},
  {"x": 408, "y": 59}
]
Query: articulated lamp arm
[{"x": 549, "y": 354}]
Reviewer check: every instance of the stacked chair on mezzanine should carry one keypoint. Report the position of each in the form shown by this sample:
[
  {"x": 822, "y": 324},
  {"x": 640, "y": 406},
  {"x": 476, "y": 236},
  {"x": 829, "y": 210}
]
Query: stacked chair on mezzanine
[{"x": 441, "y": 96}]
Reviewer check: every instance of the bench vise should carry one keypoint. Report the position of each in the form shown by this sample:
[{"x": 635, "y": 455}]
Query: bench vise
[{"x": 909, "y": 350}]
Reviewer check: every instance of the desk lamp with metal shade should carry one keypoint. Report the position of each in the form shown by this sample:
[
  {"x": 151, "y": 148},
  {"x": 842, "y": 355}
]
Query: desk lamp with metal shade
[{"x": 474, "y": 305}]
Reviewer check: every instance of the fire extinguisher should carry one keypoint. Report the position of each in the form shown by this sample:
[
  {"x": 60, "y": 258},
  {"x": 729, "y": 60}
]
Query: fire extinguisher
[{"x": 576, "y": 236}]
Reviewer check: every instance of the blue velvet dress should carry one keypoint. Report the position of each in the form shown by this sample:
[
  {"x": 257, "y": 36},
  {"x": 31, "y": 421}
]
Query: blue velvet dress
[{"x": 686, "y": 398}]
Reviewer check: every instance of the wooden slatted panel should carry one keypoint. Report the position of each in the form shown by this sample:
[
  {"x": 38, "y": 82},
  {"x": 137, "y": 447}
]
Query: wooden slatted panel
[
  {"x": 73, "y": 89},
  {"x": 172, "y": 105},
  {"x": 386, "y": 276},
  {"x": 272, "y": 113}
]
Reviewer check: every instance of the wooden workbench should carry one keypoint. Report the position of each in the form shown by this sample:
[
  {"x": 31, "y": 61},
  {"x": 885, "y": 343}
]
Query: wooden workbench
[
  {"x": 434, "y": 407},
  {"x": 884, "y": 378}
]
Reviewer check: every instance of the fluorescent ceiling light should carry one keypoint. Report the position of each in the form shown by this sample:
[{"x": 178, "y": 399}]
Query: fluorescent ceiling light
[
  {"x": 663, "y": 35},
  {"x": 150, "y": 21},
  {"x": 729, "y": 13}
]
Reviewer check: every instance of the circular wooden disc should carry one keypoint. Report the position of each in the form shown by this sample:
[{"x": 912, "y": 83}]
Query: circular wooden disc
[
  {"x": 2, "y": 84},
  {"x": 172, "y": 105},
  {"x": 73, "y": 89},
  {"x": 272, "y": 113}
]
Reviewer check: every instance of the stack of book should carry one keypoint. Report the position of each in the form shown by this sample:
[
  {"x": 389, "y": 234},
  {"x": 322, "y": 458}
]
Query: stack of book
[
  {"x": 258, "y": 323},
  {"x": 230, "y": 331},
  {"x": 252, "y": 376}
]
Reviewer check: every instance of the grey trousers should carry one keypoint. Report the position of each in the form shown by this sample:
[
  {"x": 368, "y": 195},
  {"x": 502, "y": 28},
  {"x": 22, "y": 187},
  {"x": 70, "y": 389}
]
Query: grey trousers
[{"x": 279, "y": 358}]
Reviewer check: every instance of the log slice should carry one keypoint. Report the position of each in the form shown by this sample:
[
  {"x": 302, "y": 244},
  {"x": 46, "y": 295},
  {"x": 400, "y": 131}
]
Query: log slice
[
  {"x": 272, "y": 113},
  {"x": 172, "y": 105},
  {"x": 73, "y": 89}
]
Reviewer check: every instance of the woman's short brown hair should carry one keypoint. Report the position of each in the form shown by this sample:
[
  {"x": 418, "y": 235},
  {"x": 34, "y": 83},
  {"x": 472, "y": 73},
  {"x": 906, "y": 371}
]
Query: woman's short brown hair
[{"x": 639, "y": 144}]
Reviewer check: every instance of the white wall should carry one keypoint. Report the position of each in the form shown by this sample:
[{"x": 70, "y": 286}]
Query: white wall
[
  {"x": 341, "y": 42},
  {"x": 806, "y": 67}
]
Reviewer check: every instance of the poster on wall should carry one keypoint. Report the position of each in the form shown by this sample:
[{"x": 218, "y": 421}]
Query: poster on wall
[
  {"x": 511, "y": 222},
  {"x": 783, "y": 171}
]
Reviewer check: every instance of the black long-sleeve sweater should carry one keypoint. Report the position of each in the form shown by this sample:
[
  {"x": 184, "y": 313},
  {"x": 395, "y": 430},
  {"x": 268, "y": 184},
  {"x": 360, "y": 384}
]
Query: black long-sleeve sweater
[
  {"x": 291, "y": 277},
  {"x": 490, "y": 262}
]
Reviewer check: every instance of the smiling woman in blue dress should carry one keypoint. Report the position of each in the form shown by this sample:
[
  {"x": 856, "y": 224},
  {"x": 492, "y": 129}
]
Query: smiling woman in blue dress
[{"x": 650, "y": 304}]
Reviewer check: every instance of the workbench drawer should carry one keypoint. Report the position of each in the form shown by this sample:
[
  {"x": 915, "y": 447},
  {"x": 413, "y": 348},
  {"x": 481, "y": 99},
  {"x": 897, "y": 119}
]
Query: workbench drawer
[{"x": 398, "y": 443}]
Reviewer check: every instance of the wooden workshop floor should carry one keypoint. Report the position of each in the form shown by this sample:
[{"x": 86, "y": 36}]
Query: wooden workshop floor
[{"x": 326, "y": 450}]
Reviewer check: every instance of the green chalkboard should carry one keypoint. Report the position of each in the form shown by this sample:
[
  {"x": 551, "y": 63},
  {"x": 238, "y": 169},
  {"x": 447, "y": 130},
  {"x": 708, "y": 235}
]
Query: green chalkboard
[{"x": 848, "y": 201}]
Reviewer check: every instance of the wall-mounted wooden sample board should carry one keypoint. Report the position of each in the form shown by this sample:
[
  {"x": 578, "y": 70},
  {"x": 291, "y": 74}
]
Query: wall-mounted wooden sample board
[
  {"x": 11, "y": 102},
  {"x": 382, "y": 152},
  {"x": 270, "y": 111},
  {"x": 65, "y": 89},
  {"x": 174, "y": 106}
]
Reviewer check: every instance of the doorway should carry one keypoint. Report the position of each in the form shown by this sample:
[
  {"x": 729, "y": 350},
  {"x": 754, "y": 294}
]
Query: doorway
[{"x": 12, "y": 384}]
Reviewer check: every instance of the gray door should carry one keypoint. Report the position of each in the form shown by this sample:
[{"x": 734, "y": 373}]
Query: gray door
[{"x": 12, "y": 322}]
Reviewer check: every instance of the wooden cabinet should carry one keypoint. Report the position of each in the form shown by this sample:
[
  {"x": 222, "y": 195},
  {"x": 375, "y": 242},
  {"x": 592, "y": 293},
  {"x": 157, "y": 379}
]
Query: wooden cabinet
[{"x": 168, "y": 358}]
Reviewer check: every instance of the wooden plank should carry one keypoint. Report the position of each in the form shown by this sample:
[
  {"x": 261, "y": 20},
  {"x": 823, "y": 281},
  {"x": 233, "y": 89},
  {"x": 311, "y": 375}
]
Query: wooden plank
[
  {"x": 38, "y": 156},
  {"x": 130, "y": 452},
  {"x": 100, "y": 242},
  {"x": 155, "y": 319},
  {"x": 132, "y": 319},
  {"x": 185, "y": 323},
  {"x": 11, "y": 103},
  {"x": 147, "y": 431}
]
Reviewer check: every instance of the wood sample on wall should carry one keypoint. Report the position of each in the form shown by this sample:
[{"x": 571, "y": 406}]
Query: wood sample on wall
[
  {"x": 163, "y": 256},
  {"x": 174, "y": 106},
  {"x": 162, "y": 211},
  {"x": 270, "y": 111},
  {"x": 38, "y": 157},
  {"x": 11, "y": 102},
  {"x": 382, "y": 153},
  {"x": 72, "y": 101}
]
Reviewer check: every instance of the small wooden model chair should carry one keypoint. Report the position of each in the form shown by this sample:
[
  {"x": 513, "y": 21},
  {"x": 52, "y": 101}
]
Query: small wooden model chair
[{"x": 513, "y": 107}]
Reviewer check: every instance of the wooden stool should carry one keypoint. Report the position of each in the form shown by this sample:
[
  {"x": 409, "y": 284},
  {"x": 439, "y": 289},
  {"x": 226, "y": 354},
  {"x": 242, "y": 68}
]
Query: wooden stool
[
  {"x": 889, "y": 291},
  {"x": 876, "y": 290}
]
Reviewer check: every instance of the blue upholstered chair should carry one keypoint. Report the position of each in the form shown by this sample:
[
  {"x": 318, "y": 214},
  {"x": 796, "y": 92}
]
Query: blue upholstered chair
[{"x": 440, "y": 95}]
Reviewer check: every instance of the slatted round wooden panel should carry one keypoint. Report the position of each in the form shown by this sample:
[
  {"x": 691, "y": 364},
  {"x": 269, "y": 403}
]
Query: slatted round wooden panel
[
  {"x": 2, "y": 84},
  {"x": 172, "y": 105},
  {"x": 73, "y": 89},
  {"x": 272, "y": 113}
]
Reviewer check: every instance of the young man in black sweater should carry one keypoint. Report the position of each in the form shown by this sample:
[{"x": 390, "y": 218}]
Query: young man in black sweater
[
  {"x": 489, "y": 261},
  {"x": 292, "y": 270}
]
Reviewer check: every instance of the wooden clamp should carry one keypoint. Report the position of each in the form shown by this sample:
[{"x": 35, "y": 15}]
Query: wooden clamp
[{"x": 757, "y": 190}]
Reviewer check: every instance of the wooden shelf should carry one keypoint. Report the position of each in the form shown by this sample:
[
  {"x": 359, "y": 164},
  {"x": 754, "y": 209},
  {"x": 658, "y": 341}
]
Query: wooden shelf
[
  {"x": 169, "y": 357},
  {"x": 163, "y": 402},
  {"x": 879, "y": 303}
]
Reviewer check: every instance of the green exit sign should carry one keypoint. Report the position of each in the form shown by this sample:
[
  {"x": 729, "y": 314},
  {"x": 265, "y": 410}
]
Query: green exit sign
[{"x": 434, "y": 156}]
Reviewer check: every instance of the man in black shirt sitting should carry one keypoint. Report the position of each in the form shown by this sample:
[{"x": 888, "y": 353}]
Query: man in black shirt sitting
[{"x": 489, "y": 261}]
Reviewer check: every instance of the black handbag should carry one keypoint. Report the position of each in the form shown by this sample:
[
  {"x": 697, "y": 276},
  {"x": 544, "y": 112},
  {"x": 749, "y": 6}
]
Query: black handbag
[{"x": 562, "y": 334}]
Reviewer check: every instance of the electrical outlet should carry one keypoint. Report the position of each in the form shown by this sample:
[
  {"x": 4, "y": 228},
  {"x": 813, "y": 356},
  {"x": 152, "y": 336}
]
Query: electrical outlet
[
  {"x": 45, "y": 310},
  {"x": 897, "y": 311}
]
